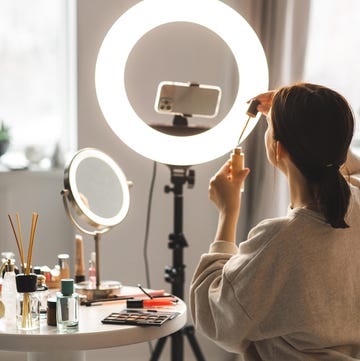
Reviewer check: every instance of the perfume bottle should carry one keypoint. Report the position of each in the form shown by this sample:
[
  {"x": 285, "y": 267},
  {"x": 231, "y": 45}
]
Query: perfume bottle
[{"x": 67, "y": 306}]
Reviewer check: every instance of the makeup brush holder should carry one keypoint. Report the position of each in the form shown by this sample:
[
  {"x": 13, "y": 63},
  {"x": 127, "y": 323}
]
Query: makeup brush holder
[{"x": 28, "y": 302}]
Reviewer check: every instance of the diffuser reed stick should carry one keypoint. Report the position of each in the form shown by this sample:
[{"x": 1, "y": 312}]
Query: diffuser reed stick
[
  {"x": 19, "y": 245},
  {"x": 26, "y": 321},
  {"x": 21, "y": 242},
  {"x": 31, "y": 241}
]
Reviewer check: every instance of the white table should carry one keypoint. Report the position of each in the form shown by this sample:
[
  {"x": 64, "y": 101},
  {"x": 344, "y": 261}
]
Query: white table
[{"x": 48, "y": 343}]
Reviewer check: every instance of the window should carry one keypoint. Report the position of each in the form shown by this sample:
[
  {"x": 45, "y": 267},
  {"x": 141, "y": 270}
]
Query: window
[
  {"x": 37, "y": 91},
  {"x": 333, "y": 54}
]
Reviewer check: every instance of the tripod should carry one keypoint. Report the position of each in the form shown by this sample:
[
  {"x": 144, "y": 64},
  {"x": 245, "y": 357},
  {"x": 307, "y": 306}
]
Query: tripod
[{"x": 175, "y": 274}]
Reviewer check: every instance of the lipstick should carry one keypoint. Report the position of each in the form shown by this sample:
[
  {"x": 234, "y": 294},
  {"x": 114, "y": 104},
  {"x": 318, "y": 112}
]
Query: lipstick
[{"x": 151, "y": 302}]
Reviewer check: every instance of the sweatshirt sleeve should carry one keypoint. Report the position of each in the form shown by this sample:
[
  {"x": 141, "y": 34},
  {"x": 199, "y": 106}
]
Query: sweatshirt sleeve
[
  {"x": 214, "y": 306},
  {"x": 229, "y": 287}
]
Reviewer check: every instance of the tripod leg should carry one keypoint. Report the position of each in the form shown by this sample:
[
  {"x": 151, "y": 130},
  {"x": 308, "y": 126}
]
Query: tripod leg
[
  {"x": 190, "y": 333},
  {"x": 158, "y": 348},
  {"x": 177, "y": 347}
]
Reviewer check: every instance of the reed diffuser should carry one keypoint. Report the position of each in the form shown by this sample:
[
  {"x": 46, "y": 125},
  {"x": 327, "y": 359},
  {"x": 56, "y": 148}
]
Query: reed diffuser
[{"x": 27, "y": 313}]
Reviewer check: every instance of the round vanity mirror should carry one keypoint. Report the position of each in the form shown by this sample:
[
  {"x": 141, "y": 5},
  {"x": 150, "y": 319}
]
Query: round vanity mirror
[
  {"x": 97, "y": 188},
  {"x": 98, "y": 192}
]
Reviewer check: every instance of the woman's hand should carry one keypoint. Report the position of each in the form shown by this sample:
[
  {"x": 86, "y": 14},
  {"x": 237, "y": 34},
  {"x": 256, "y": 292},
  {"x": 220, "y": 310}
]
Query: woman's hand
[
  {"x": 225, "y": 193},
  {"x": 265, "y": 100}
]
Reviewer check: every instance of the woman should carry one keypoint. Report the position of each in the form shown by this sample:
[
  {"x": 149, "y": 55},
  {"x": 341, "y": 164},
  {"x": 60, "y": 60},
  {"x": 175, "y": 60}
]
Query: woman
[{"x": 291, "y": 291}]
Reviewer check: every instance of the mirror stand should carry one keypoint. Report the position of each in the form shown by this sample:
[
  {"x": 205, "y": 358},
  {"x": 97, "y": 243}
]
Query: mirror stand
[{"x": 103, "y": 289}]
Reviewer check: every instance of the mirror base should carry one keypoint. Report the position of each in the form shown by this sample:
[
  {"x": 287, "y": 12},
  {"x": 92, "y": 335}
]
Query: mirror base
[{"x": 107, "y": 289}]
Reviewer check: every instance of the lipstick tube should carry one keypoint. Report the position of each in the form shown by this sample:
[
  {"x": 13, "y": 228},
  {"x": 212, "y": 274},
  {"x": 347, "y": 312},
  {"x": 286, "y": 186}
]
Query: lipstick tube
[{"x": 151, "y": 302}]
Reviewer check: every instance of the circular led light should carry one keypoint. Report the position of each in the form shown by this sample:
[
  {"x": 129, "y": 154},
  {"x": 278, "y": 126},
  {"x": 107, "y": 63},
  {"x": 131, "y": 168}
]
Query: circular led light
[{"x": 110, "y": 85}]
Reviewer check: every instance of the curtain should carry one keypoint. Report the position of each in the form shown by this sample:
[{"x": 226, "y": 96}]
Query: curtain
[{"x": 282, "y": 28}]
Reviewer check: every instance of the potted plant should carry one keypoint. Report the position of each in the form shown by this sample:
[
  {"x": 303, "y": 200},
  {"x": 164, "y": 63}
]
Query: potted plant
[{"x": 4, "y": 138}]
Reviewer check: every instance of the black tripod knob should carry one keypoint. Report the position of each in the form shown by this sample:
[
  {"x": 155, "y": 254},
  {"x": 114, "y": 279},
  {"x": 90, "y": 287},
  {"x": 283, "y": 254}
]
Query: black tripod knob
[
  {"x": 168, "y": 189},
  {"x": 191, "y": 178},
  {"x": 174, "y": 275}
]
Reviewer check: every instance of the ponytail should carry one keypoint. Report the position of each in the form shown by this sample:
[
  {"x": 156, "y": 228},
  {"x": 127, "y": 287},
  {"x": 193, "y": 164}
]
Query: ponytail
[{"x": 333, "y": 196}]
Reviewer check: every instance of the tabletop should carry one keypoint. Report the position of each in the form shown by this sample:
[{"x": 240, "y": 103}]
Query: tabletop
[{"x": 91, "y": 332}]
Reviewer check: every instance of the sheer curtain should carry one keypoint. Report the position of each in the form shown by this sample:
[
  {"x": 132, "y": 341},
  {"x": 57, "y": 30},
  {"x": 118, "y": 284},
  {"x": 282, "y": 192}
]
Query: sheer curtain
[{"x": 282, "y": 28}]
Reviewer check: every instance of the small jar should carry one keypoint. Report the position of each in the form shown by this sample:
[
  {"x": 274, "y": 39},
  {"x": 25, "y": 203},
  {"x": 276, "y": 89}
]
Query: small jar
[
  {"x": 28, "y": 303},
  {"x": 51, "y": 311}
]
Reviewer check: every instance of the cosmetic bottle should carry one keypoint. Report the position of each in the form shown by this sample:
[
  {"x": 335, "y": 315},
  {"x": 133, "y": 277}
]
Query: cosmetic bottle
[
  {"x": 27, "y": 304},
  {"x": 67, "y": 306},
  {"x": 79, "y": 261},
  {"x": 8, "y": 255},
  {"x": 92, "y": 270},
  {"x": 43, "y": 293},
  {"x": 63, "y": 260},
  {"x": 237, "y": 163},
  {"x": 9, "y": 293}
]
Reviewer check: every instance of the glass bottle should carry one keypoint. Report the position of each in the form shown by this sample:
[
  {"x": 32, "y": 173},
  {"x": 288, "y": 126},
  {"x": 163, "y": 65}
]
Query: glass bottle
[
  {"x": 43, "y": 293},
  {"x": 9, "y": 293},
  {"x": 28, "y": 304},
  {"x": 92, "y": 270},
  {"x": 5, "y": 256},
  {"x": 63, "y": 260},
  {"x": 67, "y": 306}
]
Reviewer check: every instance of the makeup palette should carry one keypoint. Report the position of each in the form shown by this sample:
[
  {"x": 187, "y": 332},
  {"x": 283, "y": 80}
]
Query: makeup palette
[{"x": 140, "y": 318}]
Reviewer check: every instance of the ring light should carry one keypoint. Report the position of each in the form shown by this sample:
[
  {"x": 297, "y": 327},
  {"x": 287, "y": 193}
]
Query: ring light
[{"x": 110, "y": 85}]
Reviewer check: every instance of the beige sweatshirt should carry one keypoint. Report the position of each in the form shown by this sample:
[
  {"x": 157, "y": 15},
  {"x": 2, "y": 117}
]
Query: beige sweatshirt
[{"x": 290, "y": 292}]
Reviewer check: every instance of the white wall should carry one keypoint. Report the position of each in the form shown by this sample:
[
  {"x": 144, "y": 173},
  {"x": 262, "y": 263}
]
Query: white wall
[{"x": 122, "y": 248}]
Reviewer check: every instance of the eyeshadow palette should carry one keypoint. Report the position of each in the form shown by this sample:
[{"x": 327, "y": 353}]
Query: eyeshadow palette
[{"x": 140, "y": 318}]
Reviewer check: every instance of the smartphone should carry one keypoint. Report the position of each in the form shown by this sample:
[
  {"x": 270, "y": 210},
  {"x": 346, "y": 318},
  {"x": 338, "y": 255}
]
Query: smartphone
[{"x": 188, "y": 99}]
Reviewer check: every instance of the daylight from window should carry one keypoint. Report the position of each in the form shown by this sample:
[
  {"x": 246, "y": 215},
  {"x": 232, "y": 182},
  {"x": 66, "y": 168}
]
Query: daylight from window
[
  {"x": 35, "y": 73},
  {"x": 333, "y": 54}
]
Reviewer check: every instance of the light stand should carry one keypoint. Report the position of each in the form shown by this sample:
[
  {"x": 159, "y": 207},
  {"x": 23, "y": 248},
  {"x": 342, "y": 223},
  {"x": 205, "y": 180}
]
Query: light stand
[{"x": 180, "y": 175}]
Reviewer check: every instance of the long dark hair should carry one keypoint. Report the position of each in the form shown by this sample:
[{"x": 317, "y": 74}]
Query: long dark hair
[{"x": 316, "y": 124}]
